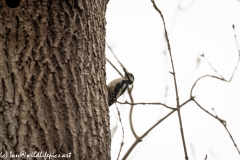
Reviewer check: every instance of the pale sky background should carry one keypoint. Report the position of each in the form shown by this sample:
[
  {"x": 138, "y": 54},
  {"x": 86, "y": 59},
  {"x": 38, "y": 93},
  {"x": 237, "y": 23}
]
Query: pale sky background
[{"x": 135, "y": 32}]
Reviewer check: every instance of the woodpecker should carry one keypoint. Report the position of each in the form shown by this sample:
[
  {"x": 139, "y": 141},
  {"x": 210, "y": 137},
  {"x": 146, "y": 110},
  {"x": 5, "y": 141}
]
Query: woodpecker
[{"x": 118, "y": 86}]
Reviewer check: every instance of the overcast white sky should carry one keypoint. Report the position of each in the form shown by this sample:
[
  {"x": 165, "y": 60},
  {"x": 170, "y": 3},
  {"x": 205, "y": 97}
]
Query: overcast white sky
[{"x": 135, "y": 32}]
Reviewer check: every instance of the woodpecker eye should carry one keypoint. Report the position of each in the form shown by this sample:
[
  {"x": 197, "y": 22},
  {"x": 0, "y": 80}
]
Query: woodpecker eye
[{"x": 131, "y": 75}]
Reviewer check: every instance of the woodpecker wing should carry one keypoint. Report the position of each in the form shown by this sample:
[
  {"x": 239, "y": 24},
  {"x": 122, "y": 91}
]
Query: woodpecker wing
[
  {"x": 121, "y": 88},
  {"x": 116, "y": 88}
]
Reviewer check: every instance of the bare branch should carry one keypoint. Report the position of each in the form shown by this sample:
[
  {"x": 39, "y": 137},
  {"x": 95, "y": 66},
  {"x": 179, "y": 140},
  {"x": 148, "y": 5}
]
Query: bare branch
[
  {"x": 232, "y": 139},
  {"x": 151, "y": 128},
  {"x": 212, "y": 66},
  {"x": 131, "y": 111},
  {"x": 205, "y": 157},
  {"x": 114, "y": 129},
  {"x": 114, "y": 67},
  {"x": 187, "y": 6},
  {"x": 235, "y": 36},
  {"x": 175, "y": 79},
  {"x": 122, "y": 133},
  {"x": 201, "y": 78},
  {"x": 221, "y": 77},
  {"x": 110, "y": 48},
  {"x": 144, "y": 103},
  {"x": 223, "y": 122}
]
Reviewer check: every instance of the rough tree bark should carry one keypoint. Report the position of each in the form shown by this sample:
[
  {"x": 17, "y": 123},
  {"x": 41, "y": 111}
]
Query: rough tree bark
[{"x": 53, "y": 81}]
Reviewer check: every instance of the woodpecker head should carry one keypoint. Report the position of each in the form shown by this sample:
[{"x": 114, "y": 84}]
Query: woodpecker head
[{"x": 129, "y": 76}]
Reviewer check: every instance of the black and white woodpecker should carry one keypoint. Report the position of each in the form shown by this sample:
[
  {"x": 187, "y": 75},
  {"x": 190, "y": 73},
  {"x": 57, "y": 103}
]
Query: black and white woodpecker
[{"x": 118, "y": 86}]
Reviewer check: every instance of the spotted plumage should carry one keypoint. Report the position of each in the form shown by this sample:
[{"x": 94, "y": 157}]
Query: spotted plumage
[{"x": 118, "y": 86}]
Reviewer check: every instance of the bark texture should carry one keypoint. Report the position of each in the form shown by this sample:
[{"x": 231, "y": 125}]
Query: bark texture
[{"x": 53, "y": 81}]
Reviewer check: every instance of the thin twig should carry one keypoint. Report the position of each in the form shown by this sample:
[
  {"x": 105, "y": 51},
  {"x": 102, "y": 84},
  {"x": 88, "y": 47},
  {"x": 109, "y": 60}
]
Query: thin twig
[
  {"x": 144, "y": 103},
  {"x": 221, "y": 78},
  {"x": 212, "y": 66},
  {"x": 223, "y": 122},
  {"x": 232, "y": 139},
  {"x": 110, "y": 48},
  {"x": 205, "y": 157},
  {"x": 193, "y": 152},
  {"x": 114, "y": 67},
  {"x": 201, "y": 78},
  {"x": 187, "y": 7},
  {"x": 114, "y": 129},
  {"x": 175, "y": 80},
  {"x": 122, "y": 133},
  {"x": 131, "y": 112},
  {"x": 235, "y": 36}
]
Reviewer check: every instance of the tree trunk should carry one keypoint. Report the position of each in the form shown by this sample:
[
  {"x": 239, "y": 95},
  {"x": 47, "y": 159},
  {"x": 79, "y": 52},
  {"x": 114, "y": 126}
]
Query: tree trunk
[{"x": 53, "y": 96}]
